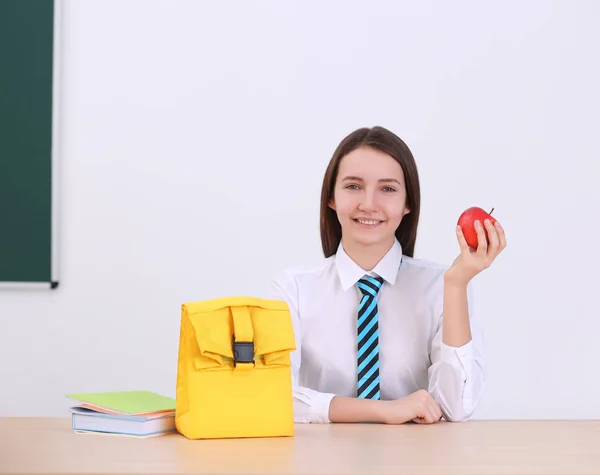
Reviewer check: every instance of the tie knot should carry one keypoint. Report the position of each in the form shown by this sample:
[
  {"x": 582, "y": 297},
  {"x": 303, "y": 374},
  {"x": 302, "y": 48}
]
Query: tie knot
[{"x": 370, "y": 285}]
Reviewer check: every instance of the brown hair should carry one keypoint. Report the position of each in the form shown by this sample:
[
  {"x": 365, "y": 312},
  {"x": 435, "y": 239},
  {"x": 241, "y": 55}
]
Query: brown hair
[{"x": 387, "y": 142}]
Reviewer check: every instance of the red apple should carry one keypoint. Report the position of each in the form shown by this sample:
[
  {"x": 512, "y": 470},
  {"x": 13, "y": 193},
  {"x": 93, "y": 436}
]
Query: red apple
[{"x": 467, "y": 222}]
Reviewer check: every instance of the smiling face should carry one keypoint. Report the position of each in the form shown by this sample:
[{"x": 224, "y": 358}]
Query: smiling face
[{"x": 369, "y": 198}]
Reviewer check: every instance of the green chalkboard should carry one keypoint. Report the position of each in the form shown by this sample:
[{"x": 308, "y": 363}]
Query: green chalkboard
[{"x": 27, "y": 162}]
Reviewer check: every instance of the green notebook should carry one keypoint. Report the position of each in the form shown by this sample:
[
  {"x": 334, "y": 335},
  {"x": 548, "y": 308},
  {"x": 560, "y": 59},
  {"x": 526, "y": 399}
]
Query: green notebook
[{"x": 125, "y": 402}]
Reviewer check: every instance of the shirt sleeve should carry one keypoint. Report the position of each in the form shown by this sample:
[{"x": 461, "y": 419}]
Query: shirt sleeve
[
  {"x": 310, "y": 406},
  {"x": 456, "y": 375}
]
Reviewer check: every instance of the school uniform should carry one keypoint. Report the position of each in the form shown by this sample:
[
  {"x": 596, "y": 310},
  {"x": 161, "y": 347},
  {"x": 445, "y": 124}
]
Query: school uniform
[{"x": 325, "y": 303}]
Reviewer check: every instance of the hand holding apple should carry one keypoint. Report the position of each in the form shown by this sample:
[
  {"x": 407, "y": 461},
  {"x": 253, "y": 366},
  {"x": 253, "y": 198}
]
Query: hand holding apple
[
  {"x": 481, "y": 239},
  {"x": 467, "y": 223}
]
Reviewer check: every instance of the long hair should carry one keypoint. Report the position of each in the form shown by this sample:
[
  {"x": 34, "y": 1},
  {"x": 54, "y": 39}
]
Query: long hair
[{"x": 381, "y": 139}]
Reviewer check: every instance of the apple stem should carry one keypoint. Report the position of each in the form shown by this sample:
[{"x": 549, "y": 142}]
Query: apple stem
[{"x": 491, "y": 211}]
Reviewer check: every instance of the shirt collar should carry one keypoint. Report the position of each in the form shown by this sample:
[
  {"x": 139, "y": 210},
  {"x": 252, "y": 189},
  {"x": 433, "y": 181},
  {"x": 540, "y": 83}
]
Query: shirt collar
[{"x": 350, "y": 272}]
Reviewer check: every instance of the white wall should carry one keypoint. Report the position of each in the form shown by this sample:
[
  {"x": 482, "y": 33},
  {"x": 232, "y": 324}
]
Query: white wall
[{"x": 194, "y": 140}]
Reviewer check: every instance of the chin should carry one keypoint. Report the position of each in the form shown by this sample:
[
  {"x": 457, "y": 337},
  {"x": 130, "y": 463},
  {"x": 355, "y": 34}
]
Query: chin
[
  {"x": 370, "y": 240},
  {"x": 378, "y": 236}
]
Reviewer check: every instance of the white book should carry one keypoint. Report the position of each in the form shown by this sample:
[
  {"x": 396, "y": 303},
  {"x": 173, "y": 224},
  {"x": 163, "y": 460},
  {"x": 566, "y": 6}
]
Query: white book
[{"x": 90, "y": 421}]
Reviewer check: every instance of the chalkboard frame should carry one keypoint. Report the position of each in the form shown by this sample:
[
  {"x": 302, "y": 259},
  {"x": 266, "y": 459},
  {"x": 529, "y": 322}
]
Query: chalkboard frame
[{"x": 55, "y": 161}]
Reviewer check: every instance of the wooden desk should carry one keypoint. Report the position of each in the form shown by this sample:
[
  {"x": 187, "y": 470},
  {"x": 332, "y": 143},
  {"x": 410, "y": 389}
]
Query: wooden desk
[{"x": 48, "y": 446}]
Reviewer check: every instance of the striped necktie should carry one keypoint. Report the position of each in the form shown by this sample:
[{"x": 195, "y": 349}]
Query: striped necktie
[{"x": 368, "y": 339}]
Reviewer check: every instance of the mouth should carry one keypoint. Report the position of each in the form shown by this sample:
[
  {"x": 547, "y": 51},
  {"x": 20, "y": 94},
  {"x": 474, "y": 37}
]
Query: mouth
[{"x": 368, "y": 223}]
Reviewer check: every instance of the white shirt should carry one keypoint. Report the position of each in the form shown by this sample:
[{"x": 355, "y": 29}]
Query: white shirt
[{"x": 323, "y": 299}]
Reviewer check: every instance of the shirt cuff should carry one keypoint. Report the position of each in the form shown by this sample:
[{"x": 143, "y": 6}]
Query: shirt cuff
[
  {"x": 312, "y": 406},
  {"x": 459, "y": 357}
]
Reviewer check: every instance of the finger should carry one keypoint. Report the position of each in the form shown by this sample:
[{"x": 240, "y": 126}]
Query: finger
[
  {"x": 501, "y": 235},
  {"x": 462, "y": 242},
  {"x": 437, "y": 412},
  {"x": 481, "y": 239},
  {"x": 493, "y": 236},
  {"x": 420, "y": 420},
  {"x": 429, "y": 412}
]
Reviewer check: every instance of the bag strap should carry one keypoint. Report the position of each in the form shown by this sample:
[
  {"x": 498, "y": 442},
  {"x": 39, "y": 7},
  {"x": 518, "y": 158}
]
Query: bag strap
[{"x": 242, "y": 339}]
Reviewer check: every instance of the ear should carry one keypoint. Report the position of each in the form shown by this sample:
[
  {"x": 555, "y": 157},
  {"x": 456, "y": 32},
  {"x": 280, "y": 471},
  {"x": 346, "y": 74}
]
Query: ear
[
  {"x": 406, "y": 211},
  {"x": 331, "y": 204}
]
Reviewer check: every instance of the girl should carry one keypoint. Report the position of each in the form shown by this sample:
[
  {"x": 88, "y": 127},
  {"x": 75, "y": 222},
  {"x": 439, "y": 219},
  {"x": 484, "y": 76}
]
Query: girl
[{"x": 382, "y": 336}]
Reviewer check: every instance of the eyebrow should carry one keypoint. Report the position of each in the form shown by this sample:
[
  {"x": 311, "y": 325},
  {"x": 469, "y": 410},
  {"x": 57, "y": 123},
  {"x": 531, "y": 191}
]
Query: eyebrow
[{"x": 381, "y": 180}]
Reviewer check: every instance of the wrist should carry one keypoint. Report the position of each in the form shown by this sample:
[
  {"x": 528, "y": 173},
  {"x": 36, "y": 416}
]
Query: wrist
[
  {"x": 454, "y": 281},
  {"x": 350, "y": 409},
  {"x": 383, "y": 412},
  {"x": 375, "y": 410},
  {"x": 396, "y": 411}
]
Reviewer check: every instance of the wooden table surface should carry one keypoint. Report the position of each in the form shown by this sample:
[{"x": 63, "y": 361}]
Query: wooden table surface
[{"x": 49, "y": 446}]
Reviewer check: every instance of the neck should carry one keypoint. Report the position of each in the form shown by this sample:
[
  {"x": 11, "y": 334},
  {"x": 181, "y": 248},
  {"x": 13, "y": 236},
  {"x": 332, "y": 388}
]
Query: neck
[{"x": 367, "y": 257}]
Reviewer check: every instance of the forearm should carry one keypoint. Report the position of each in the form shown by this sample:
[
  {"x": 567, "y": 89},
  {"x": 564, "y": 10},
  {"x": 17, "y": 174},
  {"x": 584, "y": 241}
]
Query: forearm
[
  {"x": 456, "y": 330},
  {"x": 348, "y": 409}
]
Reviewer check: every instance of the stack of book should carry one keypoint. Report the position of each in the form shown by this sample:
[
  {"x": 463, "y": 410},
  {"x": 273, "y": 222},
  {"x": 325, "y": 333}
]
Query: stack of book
[{"x": 126, "y": 413}]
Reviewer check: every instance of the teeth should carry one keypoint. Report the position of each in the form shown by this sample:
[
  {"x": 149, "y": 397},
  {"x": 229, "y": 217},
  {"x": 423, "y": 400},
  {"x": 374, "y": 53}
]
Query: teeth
[{"x": 368, "y": 221}]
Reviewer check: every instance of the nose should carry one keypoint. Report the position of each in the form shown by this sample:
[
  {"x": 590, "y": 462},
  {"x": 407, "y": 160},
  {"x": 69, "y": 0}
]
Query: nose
[{"x": 368, "y": 203}]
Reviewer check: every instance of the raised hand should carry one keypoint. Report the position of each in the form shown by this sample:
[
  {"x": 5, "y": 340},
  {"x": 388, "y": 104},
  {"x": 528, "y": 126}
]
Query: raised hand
[{"x": 471, "y": 262}]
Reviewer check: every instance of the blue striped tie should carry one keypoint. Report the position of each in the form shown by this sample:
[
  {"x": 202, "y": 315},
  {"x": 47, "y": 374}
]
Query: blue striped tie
[{"x": 368, "y": 339}]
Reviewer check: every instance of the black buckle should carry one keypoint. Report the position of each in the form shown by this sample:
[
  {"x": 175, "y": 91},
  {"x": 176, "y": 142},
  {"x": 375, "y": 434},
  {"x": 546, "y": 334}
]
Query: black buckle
[{"x": 243, "y": 351}]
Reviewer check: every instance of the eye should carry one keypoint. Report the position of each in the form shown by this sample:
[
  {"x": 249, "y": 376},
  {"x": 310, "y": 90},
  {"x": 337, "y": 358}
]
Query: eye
[
  {"x": 352, "y": 187},
  {"x": 389, "y": 189}
]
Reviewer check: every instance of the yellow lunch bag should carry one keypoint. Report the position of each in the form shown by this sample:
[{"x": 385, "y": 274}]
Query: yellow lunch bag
[{"x": 234, "y": 374}]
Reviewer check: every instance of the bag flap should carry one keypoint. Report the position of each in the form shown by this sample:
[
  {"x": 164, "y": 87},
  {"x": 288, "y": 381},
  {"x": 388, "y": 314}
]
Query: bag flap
[{"x": 214, "y": 328}]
